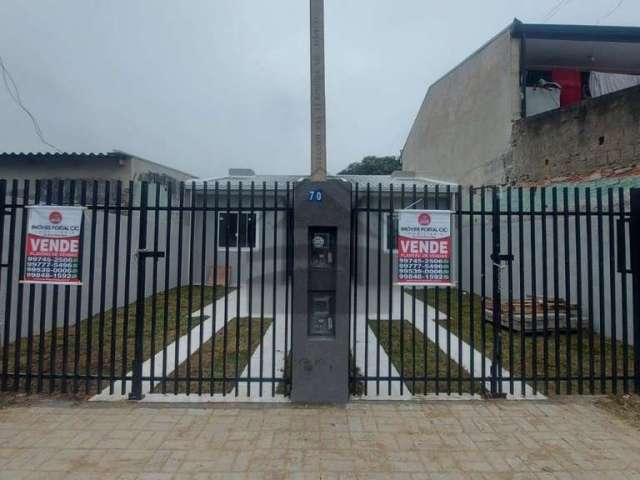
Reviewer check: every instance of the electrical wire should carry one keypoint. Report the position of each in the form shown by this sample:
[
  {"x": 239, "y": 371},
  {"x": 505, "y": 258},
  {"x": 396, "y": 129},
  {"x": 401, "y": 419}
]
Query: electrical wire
[
  {"x": 554, "y": 10},
  {"x": 14, "y": 93},
  {"x": 614, "y": 10}
]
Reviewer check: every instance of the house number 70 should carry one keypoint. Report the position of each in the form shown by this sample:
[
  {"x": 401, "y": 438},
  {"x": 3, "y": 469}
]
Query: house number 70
[{"x": 315, "y": 195}]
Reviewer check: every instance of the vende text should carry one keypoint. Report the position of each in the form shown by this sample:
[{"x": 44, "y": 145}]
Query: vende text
[
  {"x": 424, "y": 248},
  {"x": 62, "y": 247}
]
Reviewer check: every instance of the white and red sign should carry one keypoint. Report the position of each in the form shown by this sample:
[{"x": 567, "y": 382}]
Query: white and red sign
[
  {"x": 424, "y": 247},
  {"x": 52, "y": 251}
]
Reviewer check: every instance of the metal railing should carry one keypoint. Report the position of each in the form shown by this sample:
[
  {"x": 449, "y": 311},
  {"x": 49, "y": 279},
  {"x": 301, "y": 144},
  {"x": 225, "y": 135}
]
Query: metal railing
[
  {"x": 184, "y": 290},
  {"x": 542, "y": 301}
]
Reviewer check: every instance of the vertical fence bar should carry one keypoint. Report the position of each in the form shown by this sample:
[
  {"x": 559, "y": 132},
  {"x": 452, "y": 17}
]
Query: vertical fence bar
[
  {"x": 192, "y": 223},
  {"x": 402, "y": 312},
  {"x": 612, "y": 292},
  {"x": 67, "y": 301},
  {"x": 103, "y": 280},
  {"x": 567, "y": 289},
  {"x": 437, "y": 315},
  {"x": 179, "y": 254},
  {"x": 216, "y": 243},
  {"x": 459, "y": 309},
  {"x": 510, "y": 287},
  {"x": 534, "y": 291},
  {"x": 3, "y": 199},
  {"x": 274, "y": 322},
  {"x": 43, "y": 313},
  {"x": 20, "y": 304},
  {"x": 203, "y": 261},
  {"x": 31, "y": 313},
  {"x": 556, "y": 291},
  {"x": 136, "y": 388},
  {"x": 8, "y": 302},
  {"x": 545, "y": 289},
  {"x": 241, "y": 223},
  {"x": 578, "y": 231},
  {"x": 623, "y": 290},
  {"x": 635, "y": 269},
  {"x": 79, "y": 290},
  {"x": 167, "y": 279},
  {"x": 116, "y": 283},
  {"x": 252, "y": 206},
  {"x": 390, "y": 223},
  {"x": 603, "y": 364},
  {"x": 523, "y": 356},
  {"x": 154, "y": 287},
  {"x": 92, "y": 262},
  {"x": 590, "y": 289},
  {"x": 496, "y": 366},
  {"x": 483, "y": 286},
  {"x": 263, "y": 244},
  {"x": 366, "y": 292},
  {"x": 354, "y": 275},
  {"x": 287, "y": 275},
  {"x": 379, "y": 265},
  {"x": 127, "y": 288},
  {"x": 471, "y": 296}
]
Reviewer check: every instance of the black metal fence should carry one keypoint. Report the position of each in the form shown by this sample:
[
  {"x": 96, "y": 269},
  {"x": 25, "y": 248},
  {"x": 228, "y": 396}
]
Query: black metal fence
[
  {"x": 542, "y": 302},
  {"x": 184, "y": 290}
]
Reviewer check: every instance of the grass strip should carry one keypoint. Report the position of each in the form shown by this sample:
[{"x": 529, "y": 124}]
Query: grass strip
[
  {"x": 406, "y": 340},
  {"x": 117, "y": 329},
  {"x": 224, "y": 361},
  {"x": 567, "y": 347}
]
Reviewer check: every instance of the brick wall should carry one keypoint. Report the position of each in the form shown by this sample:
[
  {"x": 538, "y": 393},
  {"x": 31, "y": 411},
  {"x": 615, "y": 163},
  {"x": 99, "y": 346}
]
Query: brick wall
[{"x": 600, "y": 135}]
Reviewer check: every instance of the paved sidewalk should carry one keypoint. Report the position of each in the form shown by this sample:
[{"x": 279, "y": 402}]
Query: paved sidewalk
[{"x": 568, "y": 439}]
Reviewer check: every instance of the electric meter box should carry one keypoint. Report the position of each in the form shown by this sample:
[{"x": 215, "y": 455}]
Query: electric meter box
[{"x": 320, "y": 297}]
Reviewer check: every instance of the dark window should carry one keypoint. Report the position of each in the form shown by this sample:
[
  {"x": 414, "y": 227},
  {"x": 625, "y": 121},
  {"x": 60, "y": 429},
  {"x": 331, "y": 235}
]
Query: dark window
[
  {"x": 234, "y": 228},
  {"x": 392, "y": 231}
]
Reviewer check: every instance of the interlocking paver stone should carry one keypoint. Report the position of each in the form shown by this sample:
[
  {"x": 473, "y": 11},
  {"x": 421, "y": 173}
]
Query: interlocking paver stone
[{"x": 560, "y": 439}]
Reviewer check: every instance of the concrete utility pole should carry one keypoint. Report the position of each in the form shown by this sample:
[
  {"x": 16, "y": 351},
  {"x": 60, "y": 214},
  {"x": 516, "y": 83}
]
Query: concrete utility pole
[{"x": 318, "y": 106}]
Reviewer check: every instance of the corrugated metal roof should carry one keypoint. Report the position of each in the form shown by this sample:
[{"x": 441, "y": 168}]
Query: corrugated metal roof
[
  {"x": 375, "y": 181},
  {"x": 63, "y": 155}
]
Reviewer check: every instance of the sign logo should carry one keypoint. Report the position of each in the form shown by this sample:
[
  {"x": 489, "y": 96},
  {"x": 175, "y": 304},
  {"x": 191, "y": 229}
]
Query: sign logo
[
  {"x": 55, "y": 217},
  {"x": 424, "y": 219}
]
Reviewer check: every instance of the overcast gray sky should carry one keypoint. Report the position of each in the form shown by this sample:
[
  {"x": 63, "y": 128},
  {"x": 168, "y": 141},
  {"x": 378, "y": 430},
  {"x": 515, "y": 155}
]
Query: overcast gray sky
[{"x": 204, "y": 85}]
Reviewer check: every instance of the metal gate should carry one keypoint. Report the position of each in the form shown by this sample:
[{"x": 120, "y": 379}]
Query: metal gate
[
  {"x": 185, "y": 291},
  {"x": 542, "y": 303}
]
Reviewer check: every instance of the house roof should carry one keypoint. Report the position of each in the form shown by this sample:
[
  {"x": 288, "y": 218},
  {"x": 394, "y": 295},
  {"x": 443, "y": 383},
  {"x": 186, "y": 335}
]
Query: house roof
[
  {"x": 374, "y": 181},
  {"x": 117, "y": 155},
  {"x": 62, "y": 155},
  {"x": 580, "y": 47},
  {"x": 591, "y": 33}
]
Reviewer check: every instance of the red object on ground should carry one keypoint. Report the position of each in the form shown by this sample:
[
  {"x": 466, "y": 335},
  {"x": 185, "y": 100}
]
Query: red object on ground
[{"x": 571, "y": 82}]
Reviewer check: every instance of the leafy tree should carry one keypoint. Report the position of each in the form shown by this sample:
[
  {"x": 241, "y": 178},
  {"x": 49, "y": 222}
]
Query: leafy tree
[{"x": 373, "y": 165}]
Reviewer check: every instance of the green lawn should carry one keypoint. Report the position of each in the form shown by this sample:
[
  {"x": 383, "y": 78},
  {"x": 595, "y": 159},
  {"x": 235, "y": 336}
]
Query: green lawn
[
  {"x": 566, "y": 346},
  {"x": 416, "y": 356},
  {"x": 115, "y": 332},
  {"x": 233, "y": 360}
]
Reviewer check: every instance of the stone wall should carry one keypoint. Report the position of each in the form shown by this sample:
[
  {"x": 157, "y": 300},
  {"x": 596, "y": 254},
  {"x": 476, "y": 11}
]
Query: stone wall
[{"x": 598, "y": 136}]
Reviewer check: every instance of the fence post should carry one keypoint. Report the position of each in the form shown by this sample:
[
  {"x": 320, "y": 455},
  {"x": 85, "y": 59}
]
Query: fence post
[
  {"x": 138, "y": 358},
  {"x": 3, "y": 196},
  {"x": 635, "y": 270},
  {"x": 496, "y": 363}
]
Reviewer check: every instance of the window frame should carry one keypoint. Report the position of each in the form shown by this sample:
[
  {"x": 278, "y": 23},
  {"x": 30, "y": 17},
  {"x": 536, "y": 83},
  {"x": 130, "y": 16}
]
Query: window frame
[{"x": 238, "y": 213}]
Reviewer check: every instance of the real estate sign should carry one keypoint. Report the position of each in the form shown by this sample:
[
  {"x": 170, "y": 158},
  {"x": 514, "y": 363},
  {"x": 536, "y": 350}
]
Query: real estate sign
[
  {"x": 424, "y": 247},
  {"x": 52, "y": 250}
]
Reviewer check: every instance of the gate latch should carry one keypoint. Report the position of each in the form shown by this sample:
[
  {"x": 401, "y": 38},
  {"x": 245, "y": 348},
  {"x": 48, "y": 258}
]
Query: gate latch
[
  {"x": 144, "y": 254},
  {"x": 498, "y": 259}
]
